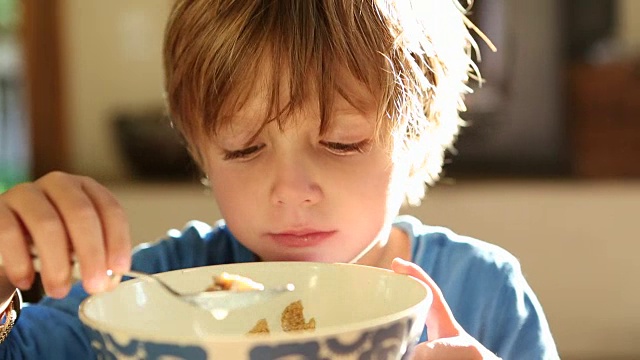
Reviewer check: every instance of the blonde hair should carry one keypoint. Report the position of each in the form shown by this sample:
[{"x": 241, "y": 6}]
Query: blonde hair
[{"x": 413, "y": 56}]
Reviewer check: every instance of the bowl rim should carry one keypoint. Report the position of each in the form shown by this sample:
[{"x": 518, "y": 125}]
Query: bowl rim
[{"x": 325, "y": 331}]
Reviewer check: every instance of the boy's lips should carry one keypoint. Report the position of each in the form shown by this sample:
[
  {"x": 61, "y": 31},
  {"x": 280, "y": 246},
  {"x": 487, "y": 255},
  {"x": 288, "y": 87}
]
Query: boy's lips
[{"x": 301, "y": 239}]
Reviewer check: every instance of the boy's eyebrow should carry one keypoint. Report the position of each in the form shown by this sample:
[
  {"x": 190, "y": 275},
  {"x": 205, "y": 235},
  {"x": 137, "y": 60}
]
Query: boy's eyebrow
[
  {"x": 234, "y": 125},
  {"x": 355, "y": 98}
]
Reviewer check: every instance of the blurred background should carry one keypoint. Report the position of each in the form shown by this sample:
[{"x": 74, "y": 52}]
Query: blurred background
[{"x": 548, "y": 168}]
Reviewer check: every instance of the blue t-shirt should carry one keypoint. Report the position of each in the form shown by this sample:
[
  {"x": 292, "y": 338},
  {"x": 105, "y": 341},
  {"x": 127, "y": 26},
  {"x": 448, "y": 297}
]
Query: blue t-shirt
[{"x": 482, "y": 283}]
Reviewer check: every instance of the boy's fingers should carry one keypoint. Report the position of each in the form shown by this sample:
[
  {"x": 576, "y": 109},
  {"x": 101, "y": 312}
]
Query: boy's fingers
[
  {"x": 458, "y": 348},
  {"x": 46, "y": 230},
  {"x": 114, "y": 223},
  {"x": 440, "y": 321},
  {"x": 14, "y": 251},
  {"x": 83, "y": 225}
]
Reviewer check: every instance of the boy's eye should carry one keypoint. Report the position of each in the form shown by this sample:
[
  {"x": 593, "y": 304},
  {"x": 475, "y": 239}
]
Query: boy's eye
[
  {"x": 242, "y": 153},
  {"x": 345, "y": 149}
]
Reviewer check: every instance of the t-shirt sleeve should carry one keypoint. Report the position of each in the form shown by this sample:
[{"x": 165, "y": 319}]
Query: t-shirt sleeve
[
  {"x": 520, "y": 329},
  {"x": 487, "y": 292}
]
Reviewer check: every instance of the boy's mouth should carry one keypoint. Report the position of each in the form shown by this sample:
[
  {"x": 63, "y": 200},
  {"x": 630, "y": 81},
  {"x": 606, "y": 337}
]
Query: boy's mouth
[{"x": 300, "y": 239}]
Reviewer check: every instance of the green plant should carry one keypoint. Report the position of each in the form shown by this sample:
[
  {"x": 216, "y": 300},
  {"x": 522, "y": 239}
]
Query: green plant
[{"x": 8, "y": 15}]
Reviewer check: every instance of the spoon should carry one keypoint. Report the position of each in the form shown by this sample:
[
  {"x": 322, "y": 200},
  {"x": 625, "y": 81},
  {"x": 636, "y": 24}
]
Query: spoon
[{"x": 219, "y": 302}]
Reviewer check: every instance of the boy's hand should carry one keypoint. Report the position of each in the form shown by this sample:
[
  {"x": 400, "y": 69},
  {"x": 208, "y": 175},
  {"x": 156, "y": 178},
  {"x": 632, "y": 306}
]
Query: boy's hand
[
  {"x": 61, "y": 216},
  {"x": 447, "y": 339}
]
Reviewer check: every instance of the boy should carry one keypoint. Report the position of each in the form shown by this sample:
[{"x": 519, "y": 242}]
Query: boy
[{"x": 313, "y": 121}]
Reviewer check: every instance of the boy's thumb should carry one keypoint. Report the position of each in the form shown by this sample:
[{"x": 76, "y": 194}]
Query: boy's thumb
[{"x": 440, "y": 321}]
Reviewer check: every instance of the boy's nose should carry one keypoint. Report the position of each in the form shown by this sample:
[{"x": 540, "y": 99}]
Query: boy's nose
[{"x": 294, "y": 185}]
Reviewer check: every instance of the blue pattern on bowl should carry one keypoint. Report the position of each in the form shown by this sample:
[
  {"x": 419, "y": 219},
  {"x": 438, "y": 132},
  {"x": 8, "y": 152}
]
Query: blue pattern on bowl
[
  {"x": 107, "y": 348},
  {"x": 393, "y": 341},
  {"x": 388, "y": 342}
]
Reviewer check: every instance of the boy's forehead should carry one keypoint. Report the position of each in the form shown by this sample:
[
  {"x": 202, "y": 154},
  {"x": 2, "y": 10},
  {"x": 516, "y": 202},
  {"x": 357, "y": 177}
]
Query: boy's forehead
[
  {"x": 255, "y": 96},
  {"x": 281, "y": 91},
  {"x": 253, "y": 114}
]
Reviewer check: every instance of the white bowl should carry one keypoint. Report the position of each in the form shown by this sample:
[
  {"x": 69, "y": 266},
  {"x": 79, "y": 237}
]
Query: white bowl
[{"x": 361, "y": 312}]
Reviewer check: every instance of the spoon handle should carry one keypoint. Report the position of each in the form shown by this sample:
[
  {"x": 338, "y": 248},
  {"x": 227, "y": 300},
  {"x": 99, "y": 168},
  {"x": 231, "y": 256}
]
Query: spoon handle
[
  {"x": 76, "y": 274},
  {"x": 75, "y": 267},
  {"x": 145, "y": 276}
]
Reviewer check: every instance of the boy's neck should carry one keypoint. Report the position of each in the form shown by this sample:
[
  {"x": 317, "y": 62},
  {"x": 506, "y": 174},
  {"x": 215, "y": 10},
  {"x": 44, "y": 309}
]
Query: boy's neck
[{"x": 399, "y": 245}]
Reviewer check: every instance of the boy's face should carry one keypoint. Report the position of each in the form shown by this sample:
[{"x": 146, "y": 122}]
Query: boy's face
[{"x": 292, "y": 194}]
